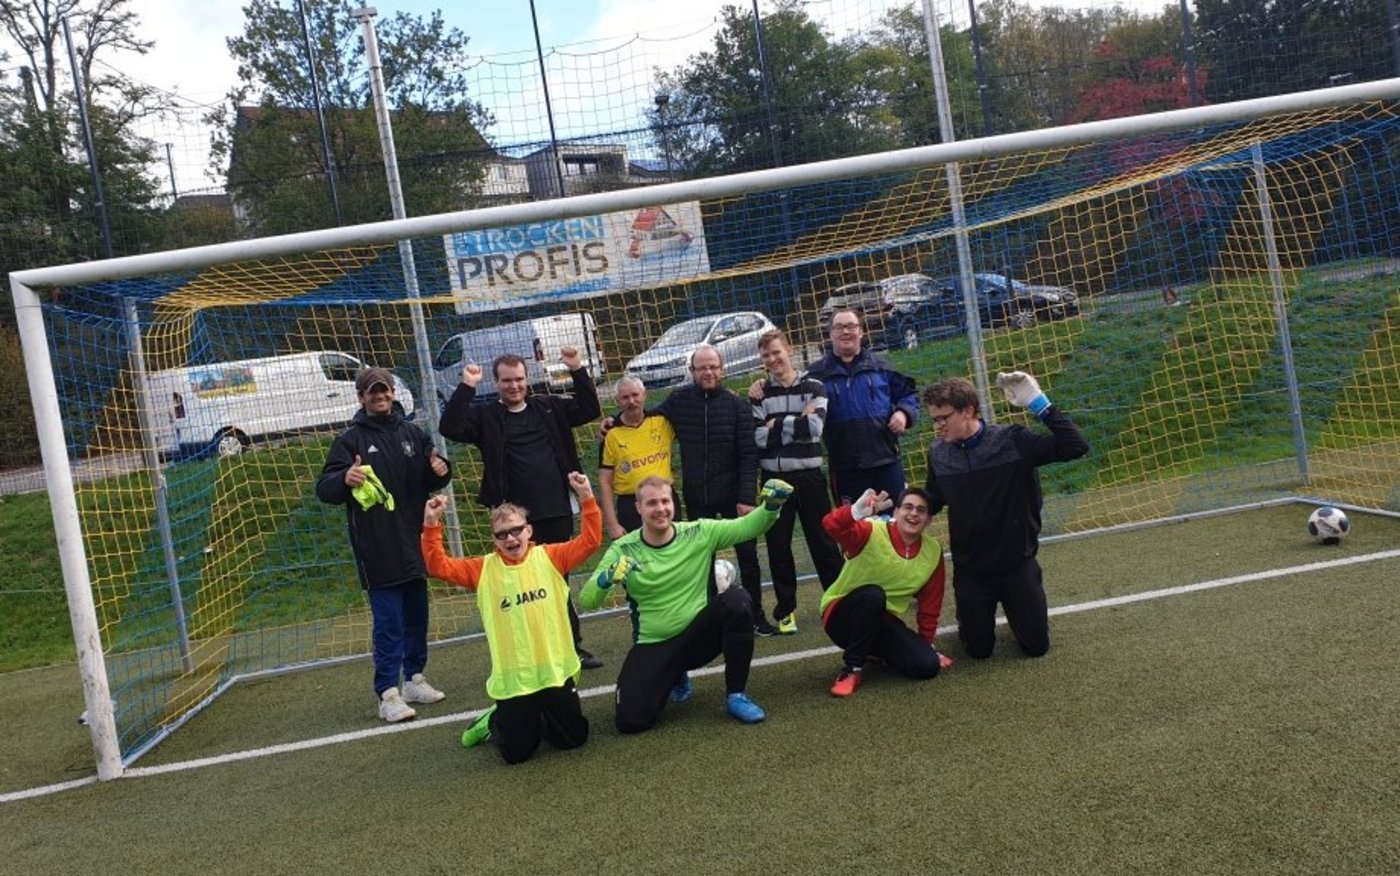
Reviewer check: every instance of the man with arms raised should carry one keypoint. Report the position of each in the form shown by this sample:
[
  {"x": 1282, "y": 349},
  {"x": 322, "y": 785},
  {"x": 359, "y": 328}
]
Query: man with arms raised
[
  {"x": 527, "y": 447},
  {"x": 523, "y": 597},
  {"x": 680, "y": 622}
]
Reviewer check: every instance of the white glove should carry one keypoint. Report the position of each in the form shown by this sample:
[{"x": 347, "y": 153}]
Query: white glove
[
  {"x": 869, "y": 504},
  {"x": 1022, "y": 391}
]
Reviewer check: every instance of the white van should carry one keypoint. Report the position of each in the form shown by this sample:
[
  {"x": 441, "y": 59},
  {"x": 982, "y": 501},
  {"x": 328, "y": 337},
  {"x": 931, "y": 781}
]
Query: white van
[
  {"x": 537, "y": 341},
  {"x": 223, "y": 407}
]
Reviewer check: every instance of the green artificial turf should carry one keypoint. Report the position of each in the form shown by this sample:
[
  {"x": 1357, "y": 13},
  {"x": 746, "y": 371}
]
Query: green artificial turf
[{"x": 1251, "y": 728}]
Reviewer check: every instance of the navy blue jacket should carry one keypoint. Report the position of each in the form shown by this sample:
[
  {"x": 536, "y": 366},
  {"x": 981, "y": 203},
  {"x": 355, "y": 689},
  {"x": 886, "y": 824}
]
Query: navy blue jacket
[{"x": 860, "y": 399}]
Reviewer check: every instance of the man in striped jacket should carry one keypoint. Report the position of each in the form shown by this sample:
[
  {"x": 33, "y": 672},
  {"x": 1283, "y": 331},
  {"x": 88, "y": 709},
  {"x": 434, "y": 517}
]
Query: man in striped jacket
[{"x": 789, "y": 411}]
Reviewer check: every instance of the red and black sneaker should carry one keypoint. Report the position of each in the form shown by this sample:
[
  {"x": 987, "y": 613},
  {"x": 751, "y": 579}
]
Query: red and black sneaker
[{"x": 846, "y": 683}]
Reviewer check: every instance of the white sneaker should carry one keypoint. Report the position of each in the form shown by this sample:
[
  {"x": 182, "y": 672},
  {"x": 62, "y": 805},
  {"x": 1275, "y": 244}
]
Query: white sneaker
[
  {"x": 417, "y": 690},
  {"x": 393, "y": 709}
]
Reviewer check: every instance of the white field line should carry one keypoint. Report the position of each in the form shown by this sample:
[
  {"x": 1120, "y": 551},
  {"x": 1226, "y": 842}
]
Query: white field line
[{"x": 608, "y": 689}]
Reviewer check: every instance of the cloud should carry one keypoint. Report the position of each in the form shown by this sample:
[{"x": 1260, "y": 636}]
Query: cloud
[{"x": 190, "y": 55}]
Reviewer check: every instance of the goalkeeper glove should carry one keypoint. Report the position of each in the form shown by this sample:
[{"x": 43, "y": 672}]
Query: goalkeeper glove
[
  {"x": 1022, "y": 391},
  {"x": 774, "y": 493},
  {"x": 869, "y": 504},
  {"x": 372, "y": 491},
  {"x": 616, "y": 573}
]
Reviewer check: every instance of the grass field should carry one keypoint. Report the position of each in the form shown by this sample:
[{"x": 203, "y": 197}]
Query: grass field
[{"x": 1251, "y": 727}]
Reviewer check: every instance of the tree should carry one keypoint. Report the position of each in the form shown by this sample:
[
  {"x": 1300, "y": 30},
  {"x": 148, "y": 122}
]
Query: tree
[
  {"x": 1255, "y": 48},
  {"x": 46, "y": 204},
  {"x": 717, "y": 120},
  {"x": 1036, "y": 55},
  {"x": 277, "y": 172},
  {"x": 1138, "y": 68},
  {"x": 894, "y": 80}
]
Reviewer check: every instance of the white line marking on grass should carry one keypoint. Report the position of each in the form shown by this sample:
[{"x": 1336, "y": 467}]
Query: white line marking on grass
[
  {"x": 44, "y": 790},
  {"x": 1219, "y": 582},
  {"x": 608, "y": 689}
]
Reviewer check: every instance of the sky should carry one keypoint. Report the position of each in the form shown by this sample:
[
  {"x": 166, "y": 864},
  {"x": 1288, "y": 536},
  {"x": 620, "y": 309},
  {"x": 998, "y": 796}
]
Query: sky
[{"x": 190, "y": 55}]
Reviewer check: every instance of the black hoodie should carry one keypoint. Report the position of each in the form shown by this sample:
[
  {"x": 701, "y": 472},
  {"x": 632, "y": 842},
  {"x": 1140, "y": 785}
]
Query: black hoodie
[{"x": 385, "y": 543}]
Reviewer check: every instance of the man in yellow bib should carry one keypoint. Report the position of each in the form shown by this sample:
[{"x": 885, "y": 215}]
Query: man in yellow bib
[
  {"x": 888, "y": 565},
  {"x": 523, "y": 597}
]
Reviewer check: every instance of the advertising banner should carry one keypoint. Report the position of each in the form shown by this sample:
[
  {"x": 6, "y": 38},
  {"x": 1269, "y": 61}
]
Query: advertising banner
[{"x": 576, "y": 258}]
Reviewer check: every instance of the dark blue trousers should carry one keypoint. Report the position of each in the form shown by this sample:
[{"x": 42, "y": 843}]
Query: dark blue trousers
[{"x": 400, "y": 632}]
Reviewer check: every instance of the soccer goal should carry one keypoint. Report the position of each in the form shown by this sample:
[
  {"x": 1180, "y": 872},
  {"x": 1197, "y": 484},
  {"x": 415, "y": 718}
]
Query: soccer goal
[{"x": 1211, "y": 292}]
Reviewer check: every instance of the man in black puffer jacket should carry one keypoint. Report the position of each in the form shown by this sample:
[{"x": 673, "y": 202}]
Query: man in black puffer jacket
[{"x": 719, "y": 460}]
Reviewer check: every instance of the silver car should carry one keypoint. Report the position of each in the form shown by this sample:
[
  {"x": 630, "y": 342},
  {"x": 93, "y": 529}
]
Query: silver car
[{"x": 735, "y": 335}]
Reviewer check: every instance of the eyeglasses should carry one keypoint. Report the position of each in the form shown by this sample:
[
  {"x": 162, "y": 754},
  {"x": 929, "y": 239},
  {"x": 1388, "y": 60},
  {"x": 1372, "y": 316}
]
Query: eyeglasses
[
  {"x": 845, "y": 326},
  {"x": 513, "y": 532},
  {"x": 914, "y": 509},
  {"x": 942, "y": 420}
]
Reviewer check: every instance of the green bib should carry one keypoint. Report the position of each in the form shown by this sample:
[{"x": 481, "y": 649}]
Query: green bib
[{"x": 879, "y": 563}]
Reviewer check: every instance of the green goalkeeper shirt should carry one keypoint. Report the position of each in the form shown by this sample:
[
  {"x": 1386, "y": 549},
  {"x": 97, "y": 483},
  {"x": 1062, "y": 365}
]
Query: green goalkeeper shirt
[{"x": 670, "y": 584}]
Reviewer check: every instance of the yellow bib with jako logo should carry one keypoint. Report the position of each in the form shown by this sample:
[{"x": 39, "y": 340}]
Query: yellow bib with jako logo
[{"x": 524, "y": 609}]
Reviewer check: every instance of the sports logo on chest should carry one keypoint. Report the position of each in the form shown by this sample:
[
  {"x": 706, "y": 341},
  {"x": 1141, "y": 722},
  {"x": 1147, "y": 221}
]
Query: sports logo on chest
[
  {"x": 408, "y": 449},
  {"x": 524, "y": 597}
]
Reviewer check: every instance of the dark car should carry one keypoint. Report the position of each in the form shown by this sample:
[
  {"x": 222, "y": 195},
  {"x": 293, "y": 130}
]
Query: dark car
[
  {"x": 1005, "y": 301},
  {"x": 899, "y": 311}
]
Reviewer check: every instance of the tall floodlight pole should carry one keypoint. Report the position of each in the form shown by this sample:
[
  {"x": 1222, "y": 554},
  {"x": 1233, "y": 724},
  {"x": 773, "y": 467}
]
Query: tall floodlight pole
[
  {"x": 955, "y": 201},
  {"x": 1190, "y": 45},
  {"x": 174, "y": 193},
  {"x": 548, "y": 108},
  {"x": 784, "y": 216},
  {"x": 767, "y": 87},
  {"x": 662, "y": 101},
  {"x": 427, "y": 406},
  {"x": 327, "y": 156},
  {"x": 1394, "y": 19},
  {"x": 982, "y": 96},
  {"x": 99, "y": 201}
]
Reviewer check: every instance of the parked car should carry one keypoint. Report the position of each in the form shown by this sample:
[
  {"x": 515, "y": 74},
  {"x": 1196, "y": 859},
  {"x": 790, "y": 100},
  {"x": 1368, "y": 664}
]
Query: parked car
[
  {"x": 1004, "y": 301},
  {"x": 899, "y": 311},
  {"x": 735, "y": 335}
]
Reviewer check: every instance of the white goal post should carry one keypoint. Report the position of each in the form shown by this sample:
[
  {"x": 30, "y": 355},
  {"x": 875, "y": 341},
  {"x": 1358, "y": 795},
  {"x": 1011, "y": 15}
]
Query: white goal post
[{"x": 30, "y": 286}]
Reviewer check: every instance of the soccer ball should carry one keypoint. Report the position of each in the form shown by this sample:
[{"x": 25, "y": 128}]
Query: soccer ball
[
  {"x": 1328, "y": 525},
  {"x": 724, "y": 575}
]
